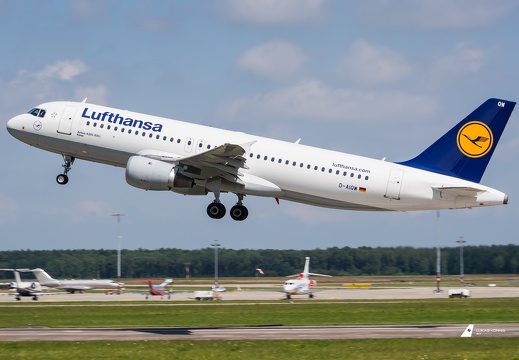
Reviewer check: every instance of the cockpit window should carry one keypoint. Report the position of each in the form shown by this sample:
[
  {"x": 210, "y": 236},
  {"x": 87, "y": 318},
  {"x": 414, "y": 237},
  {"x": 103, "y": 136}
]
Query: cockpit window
[{"x": 37, "y": 112}]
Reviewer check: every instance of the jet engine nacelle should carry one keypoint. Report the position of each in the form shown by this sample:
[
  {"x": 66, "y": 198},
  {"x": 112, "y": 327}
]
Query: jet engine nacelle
[{"x": 150, "y": 174}]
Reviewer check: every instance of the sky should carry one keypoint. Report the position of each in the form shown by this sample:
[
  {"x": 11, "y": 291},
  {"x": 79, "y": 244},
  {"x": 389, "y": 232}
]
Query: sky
[{"x": 378, "y": 78}]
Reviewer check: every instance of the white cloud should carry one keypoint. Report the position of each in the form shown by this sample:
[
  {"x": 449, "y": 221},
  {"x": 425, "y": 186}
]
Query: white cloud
[
  {"x": 52, "y": 82},
  {"x": 275, "y": 12},
  {"x": 275, "y": 60},
  {"x": 313, "y": 100},
  {"x": 63, "y": 70},
  {"x": 434, "y": 14},
  {"x": 465, "y": 59},
  {"x": 366, "y": 63}
]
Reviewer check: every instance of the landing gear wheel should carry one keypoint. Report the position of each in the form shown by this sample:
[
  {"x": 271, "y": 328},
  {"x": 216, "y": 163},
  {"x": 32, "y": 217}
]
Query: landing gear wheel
[
  {"x": 62, "y": 179},
  {"x": 239, "y": 212},
  {"x": 216, "y": 210}
]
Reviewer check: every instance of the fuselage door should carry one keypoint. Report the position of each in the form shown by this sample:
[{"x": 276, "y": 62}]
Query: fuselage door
[
  {"x": 394, "y": 184},
  {"x": 65, "y": 123}
]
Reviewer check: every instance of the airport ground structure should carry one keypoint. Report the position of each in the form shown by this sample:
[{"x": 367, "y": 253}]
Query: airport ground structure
[{"x": 180, "y": 264}]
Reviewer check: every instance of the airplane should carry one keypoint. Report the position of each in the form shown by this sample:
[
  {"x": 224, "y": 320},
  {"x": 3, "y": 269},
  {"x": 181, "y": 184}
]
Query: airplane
[
  {"x": 72, "y": 286},
  {"x": 24, "y": 288},
  {"x": 162, "y": 154},
  {"x": 159, "y": 290},
  {"x": 303, "y": 283}
]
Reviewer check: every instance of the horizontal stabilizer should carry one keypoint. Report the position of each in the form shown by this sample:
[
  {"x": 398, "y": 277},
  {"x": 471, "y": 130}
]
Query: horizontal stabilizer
[{"x": 458, "y": 191}]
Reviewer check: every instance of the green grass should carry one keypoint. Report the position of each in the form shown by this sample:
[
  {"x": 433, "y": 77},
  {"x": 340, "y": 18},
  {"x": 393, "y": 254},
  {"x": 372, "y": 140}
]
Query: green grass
[
  {"x": 402, "y": 349},
  {"x": 433, "y": 311}
]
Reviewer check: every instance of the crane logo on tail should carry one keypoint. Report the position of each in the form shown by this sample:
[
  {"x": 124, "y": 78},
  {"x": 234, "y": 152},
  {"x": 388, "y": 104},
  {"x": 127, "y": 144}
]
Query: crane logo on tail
[{"x": 475, "y": 139}]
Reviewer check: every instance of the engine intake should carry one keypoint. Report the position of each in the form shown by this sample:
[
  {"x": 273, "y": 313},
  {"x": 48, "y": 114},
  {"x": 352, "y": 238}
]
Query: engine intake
[{"x": 149, "y": 174}]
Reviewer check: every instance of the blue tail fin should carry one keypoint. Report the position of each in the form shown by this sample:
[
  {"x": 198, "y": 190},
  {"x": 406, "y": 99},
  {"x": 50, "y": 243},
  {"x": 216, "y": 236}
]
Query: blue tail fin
[{"x": 465, "y": 150}]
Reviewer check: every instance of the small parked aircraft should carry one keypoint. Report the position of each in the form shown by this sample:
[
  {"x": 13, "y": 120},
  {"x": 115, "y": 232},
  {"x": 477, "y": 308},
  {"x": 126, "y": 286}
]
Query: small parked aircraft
[
  {"x": 159, "y": 290},
  {"x": 303, "y": 283},
  {"x": 73, "y": 285},
  {"x": 24, "y": 288}
]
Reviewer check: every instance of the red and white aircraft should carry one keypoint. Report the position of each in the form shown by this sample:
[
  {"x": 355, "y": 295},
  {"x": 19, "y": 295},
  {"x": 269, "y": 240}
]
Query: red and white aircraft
[{"x": 303, "y": 284}]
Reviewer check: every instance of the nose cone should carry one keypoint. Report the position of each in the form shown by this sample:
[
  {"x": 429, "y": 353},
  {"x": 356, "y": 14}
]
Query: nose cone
[
  {"x": 15, "y": 125},
  {"x": 19, "y": 125}
]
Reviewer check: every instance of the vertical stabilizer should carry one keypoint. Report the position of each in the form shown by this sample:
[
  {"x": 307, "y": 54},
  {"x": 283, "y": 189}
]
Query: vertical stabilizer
[
  {"x": 465, "y": 150},
  {"x": 42, "y": 276}
]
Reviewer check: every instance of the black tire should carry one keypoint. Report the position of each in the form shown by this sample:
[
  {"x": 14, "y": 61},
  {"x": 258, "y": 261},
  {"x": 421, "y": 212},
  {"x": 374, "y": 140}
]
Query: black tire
[
  {"x": 239, "y": 212},
  {"x": 216, "y": 210},
  {"x": 62, "y": 179}
]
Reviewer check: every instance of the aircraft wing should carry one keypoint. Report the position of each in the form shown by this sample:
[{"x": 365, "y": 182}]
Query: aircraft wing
[
  {"x": 453, "y": 191},
  {"x": 74, "y": 288},
  {"x": 223, "y": 161}
]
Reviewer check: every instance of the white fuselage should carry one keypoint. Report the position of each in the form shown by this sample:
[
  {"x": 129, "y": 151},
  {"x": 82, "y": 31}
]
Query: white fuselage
[
  {"x": 300, "y": 173},
  {"x": 297, "y": 286}
]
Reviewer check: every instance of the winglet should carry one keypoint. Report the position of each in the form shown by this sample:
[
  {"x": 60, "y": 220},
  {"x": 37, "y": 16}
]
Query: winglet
[{"x": 465, "y": 150}]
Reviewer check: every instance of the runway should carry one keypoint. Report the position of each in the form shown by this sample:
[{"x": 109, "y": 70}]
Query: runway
[
  {"x": 258, "y": 333},
  {"x": 263, "y": 332},
  {"x": 276, "y": 295}
]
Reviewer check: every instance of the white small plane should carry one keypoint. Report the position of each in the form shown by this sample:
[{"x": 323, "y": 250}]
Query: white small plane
[
  {"x": 191, "y": 159},
  {"x": 303, "y": 284},
  {"x": 24, "y": 288},
  {"x": 72, "y": 286}
]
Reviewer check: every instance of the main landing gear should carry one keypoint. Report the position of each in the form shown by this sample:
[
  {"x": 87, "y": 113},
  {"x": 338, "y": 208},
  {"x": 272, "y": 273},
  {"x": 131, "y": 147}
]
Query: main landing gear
[
  {"x": 216, "y": 210},
  {"x": 62, "y": 179}
]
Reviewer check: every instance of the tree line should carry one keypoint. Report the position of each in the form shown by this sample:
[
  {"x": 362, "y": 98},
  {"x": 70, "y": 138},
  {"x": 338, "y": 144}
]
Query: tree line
[{"x": 162, "y": 263}]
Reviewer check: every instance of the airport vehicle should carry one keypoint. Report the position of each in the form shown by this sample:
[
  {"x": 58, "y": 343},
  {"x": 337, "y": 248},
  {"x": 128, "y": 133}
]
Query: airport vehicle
[
  {"x": 190, "y": 159},
  {"x": 24, "y": 288},
  {"x": 159, "y": 290},
  {"x": 303, "y": 284},
  {"x": 72, "y": 286},
  {"x": 459, "y": 293},
  {"x": 206, "y": 295}
]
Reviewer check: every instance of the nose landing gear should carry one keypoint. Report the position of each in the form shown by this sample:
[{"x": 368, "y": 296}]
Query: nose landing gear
[{"x": 62, "y": 179}]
